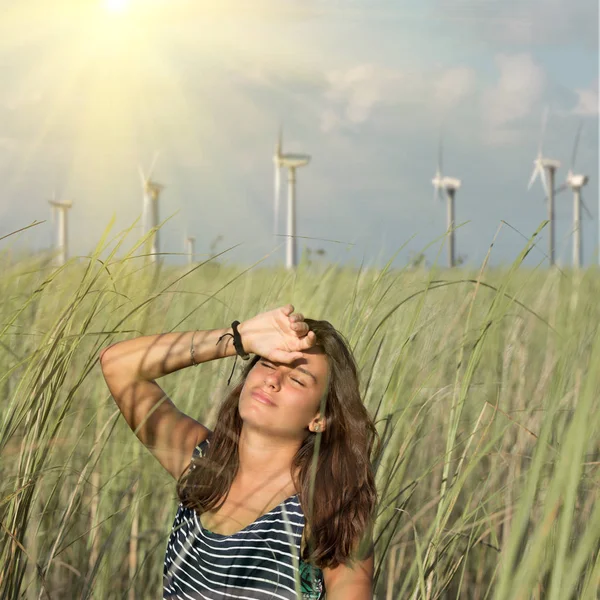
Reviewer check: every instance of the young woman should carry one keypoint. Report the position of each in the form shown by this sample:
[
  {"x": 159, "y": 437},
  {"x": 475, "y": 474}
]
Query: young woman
[{"x": 278, "y": 502}]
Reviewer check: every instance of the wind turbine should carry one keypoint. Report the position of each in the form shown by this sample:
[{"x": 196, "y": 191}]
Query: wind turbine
[
  {"x": 449, "y": 185},
  {"x": 546, "y": 166},
  {"x": 151, "y": 194},
  {"x": 62, "y": 231},
  {"x": 576, "y": 182},
  {"x": 292, "y": 162},
  {"x": 189, "y": 248}
]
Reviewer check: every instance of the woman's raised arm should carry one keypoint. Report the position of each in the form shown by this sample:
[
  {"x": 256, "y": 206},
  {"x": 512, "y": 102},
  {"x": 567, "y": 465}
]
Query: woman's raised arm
[{"x": 130, "y": 369}]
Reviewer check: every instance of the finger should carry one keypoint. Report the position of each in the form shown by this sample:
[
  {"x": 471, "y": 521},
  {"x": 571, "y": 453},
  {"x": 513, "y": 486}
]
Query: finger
[
  {"x": 308, "y": 341},
  {"x": 282, "y": 356},
  {"x": 288, "y": 309},
  {"x": 300, "y": 328},
  {"x": 297, "y": 317}
]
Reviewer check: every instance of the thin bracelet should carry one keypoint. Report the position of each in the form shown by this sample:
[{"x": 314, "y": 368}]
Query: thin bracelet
[
  {"x": 236, "y": 355},
  {"x": 237, "y": 343},
  {"x": 192, "y": 350}
]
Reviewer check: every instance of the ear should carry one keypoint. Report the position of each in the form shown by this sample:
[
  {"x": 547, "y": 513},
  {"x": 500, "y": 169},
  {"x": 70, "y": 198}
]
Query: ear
[{"x": 318, "y": 424}]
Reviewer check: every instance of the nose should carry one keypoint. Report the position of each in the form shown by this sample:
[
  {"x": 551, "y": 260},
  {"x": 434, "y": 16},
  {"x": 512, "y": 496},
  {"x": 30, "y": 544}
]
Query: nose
[{"x": 272, "y": 379}]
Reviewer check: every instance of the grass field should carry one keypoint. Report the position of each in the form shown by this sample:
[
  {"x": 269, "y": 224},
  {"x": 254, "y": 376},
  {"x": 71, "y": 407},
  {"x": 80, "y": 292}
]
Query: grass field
[{"x": 485, "y": 386}]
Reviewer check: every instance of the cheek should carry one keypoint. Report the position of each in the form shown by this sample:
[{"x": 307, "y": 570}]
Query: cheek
[
  {"x": 252, "y": 380},
  {"x": 303, "y": 404}
]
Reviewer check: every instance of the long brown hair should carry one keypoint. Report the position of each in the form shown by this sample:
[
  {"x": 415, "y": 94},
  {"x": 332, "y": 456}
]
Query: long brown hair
[{"x": 340, "y": 509}]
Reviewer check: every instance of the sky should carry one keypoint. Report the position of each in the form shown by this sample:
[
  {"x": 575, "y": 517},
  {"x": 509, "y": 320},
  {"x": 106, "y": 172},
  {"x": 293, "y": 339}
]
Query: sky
[{"x": 94, "y": 89}]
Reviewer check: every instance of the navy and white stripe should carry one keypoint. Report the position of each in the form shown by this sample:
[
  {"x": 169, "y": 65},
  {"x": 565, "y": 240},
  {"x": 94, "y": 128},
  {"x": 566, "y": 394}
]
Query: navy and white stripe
[{"x": 260, "y": 562}]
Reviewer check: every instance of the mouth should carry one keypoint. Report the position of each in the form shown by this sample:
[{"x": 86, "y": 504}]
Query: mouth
[{"x": 262, "y": 397}]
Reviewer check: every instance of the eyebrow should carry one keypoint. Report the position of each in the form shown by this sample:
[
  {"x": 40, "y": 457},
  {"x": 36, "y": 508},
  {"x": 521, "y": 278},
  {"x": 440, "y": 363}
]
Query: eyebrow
[
  {"x": 302, "y": 370},
  {"x": 307, "y": 373}
]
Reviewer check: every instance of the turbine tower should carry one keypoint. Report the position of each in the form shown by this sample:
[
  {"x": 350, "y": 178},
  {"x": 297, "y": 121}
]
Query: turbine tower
[
  {"x": 292, "y": 162},
  {"x": 546, "y": 169},
  {"x": 62, "y": 231},
  {"x": 450, "y": 185},
  {"x": 576, "y": 182},
  {"x": 150, "y": 218},
  {"x": 189, "y": 248}
]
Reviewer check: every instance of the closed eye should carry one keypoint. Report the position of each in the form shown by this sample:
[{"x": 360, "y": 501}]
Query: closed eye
[{"x": 271, "y": 367}]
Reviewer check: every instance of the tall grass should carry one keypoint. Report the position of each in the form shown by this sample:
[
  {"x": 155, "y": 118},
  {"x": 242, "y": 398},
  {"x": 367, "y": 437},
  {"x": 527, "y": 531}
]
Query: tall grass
[{"x": 485, "y": 387}]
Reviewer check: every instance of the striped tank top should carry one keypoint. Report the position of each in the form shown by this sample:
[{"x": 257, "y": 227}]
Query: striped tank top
[{"x": 260, "y": 562}]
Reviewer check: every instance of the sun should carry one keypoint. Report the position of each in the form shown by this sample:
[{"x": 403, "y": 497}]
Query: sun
[{"x": 116, "y": 6}]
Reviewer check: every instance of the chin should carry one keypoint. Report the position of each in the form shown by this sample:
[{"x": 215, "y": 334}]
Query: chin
[{"x": 251, "y": 411}]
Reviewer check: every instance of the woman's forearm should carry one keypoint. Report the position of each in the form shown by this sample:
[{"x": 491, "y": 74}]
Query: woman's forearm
[{"x": 152, "y": 356}]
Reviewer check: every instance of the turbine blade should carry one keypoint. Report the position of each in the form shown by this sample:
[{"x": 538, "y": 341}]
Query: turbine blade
[
  {"x": 587, "y": 210},
  {"x": 280, "y": 140},
  {"x": 277, "y": 196},
  {"x": 151, "y": 170},
  {"x": 534, "y": 175},
  {"x": 437, "y": 191},
  {"x": 142, "y": 176},
  {"x": 544, "y": 178},
  {"x": 543, "y": 129},
  {"x": 561, "y": 188},
  {"x": 576, "y": 145}
]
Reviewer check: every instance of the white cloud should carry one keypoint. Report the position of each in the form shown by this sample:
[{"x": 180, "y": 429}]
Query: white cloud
[
  {"x": 517, "y": 92},
  {"x": 330, "y": 120},
  {"x": 587, "y": 101},
  {"x": 352, "y": 95},
  {"x": 452, "y": 85}
]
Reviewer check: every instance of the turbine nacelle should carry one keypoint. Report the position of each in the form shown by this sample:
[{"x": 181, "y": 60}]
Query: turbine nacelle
[
  {"x": 290, "y": 159},
  {"x": 152, "y": 189},
  {"x": 451, "y": 183},
  {"x": 58, "y": 204},
  {"x": 446, "y": 183},
  {"x": 546, "y": 163},
  {"x": 293, "y": 160},
  {"x": 576, "y": 181}
]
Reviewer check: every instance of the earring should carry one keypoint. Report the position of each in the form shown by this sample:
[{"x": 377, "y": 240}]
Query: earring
[{"x": 317, "y": 428}]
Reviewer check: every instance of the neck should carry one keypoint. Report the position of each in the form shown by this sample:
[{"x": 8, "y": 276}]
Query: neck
[{"x": 263, "y": 457}]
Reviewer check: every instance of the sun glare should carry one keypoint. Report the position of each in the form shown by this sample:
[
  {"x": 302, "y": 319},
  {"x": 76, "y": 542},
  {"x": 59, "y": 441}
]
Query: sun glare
[{"x": 116, "y": 6}]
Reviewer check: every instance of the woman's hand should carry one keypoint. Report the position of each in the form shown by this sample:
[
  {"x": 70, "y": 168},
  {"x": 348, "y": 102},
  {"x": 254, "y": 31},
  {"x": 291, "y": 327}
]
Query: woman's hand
[{"x": 278, "y": 335}]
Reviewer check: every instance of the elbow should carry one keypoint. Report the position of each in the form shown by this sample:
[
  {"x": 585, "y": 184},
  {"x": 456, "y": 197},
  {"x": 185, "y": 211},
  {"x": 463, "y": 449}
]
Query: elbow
[{"x": 102, "y": 356}]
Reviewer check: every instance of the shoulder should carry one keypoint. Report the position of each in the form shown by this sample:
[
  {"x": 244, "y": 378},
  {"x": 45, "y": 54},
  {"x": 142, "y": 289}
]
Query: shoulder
[{"x": 351, "y": 581}]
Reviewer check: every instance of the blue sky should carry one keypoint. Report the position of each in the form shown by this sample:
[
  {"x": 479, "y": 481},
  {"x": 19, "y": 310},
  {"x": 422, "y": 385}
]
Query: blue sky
[{"x": 364, "y": 87}]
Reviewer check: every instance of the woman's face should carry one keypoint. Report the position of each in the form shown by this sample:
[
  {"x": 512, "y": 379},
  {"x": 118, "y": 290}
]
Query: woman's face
[{"x": 284, "y": 399}]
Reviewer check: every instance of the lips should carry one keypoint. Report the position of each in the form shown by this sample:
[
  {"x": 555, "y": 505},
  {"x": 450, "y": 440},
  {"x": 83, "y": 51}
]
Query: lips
[{"x": 262, "y": 397}]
